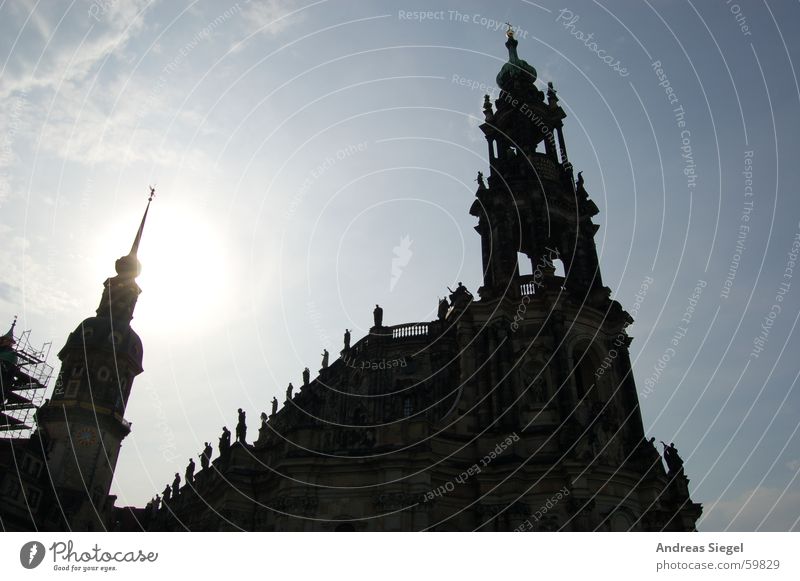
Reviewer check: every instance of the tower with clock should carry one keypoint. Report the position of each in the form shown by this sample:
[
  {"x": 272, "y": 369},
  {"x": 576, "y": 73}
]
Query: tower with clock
[{"x": 83, "y": 424}]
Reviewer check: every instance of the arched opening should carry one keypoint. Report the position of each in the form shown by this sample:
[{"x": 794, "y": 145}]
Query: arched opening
[
  {"x": 524, "y": 264},
  {"x": 558, "y": 264}
]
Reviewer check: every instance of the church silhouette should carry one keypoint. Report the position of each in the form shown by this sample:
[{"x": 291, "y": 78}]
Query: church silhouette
[{"x": 515, "y": 409}]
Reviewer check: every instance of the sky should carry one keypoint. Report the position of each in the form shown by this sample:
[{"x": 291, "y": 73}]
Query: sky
[{"x": 300, "y": 149}]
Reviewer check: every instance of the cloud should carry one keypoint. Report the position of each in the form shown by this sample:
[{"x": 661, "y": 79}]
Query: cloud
[
  {"x": 66, "y": 47},
  {"x": 270, "y": 16},
  {"x": 35, "y": 284},
  {"x": 760, "y": 509},
  {"x": 81, "y": 97},
  {"x": 8, "y": 293}
]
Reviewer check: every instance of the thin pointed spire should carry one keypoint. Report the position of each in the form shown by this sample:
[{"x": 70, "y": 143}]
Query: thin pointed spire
[{"x": 138, "y": 239}]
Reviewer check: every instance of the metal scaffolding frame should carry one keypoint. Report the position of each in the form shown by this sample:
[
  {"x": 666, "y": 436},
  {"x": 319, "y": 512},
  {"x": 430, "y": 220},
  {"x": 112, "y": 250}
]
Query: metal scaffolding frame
[{"x": 23, "y": 380}]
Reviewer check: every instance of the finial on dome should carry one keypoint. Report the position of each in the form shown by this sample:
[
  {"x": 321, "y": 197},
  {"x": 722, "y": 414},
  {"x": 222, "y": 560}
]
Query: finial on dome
[
  {"x": 516, "y": 71},
  {"x": 511, "y": 44}
]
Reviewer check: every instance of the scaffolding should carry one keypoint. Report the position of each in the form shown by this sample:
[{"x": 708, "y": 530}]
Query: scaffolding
[{"x": 24, "y": 375}]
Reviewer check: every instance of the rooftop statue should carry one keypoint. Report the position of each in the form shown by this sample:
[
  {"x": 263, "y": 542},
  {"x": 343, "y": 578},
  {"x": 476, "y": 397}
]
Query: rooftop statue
[{"x": 241, "y": 427}]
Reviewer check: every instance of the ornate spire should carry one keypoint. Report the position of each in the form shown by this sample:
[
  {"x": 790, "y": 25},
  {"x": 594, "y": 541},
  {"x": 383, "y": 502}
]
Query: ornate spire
[
  {"x": 129, "y": 266},
  {"x": 121, "y": 291},
  {"x": 138, "y": 239},
  {"x": 516, "y": 73},
  {"x": 511, "y": 44}
]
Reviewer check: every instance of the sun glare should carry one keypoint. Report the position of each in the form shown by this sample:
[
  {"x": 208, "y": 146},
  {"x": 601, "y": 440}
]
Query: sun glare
[{"x": 185, "y": 276}]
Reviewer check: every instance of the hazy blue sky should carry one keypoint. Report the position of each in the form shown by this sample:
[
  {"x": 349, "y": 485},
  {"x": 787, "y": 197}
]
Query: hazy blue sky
[{"x": 298, "y": 146}]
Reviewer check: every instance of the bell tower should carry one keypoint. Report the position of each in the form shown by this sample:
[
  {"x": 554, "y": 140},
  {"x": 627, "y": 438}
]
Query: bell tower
[
  {"x": 83, "y": 423},
  {"x": 532, "y": 206},
  {"x": 552, "y": 362}
]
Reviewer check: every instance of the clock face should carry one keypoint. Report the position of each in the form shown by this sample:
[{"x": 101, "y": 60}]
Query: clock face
[{"x": 86, "y": 436}]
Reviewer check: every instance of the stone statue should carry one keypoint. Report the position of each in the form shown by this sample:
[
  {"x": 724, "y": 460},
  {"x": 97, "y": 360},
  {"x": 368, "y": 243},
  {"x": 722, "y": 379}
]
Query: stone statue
[
  {"x": 481, "y": 183},
  {"x": 190, "y": 472},
  {"x": 176, "y": 485},
  {"x": 274, "y": 405},
  {"x": 225, "y": 442},
  {"x": 264, "y": 419},
  {"x": 377, "y": 314},
  {"x": 306, "y": 376},
  {"x": 241, "y": 427},
  {"x": 673, "y": 460},
  {"x": 650, "y": 452},
  {"x": 552, "y": 99},
  {"x": 461, "y": 296},
  {"x": 289, "y": 392},
  {"x": 487, "y": 107},
  {"x": 167, "y": 494},
  {"x": 205, "y": 456},
  {"x": 444, "y": 305},
  {"x": 346, "y": 339},
  {"x": 325, "y": 359}
]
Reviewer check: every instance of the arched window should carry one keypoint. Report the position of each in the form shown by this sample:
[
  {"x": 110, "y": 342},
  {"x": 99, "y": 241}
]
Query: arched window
[
  {"x": 524, "y": 264},
  {"x": 558, "y": 264}
]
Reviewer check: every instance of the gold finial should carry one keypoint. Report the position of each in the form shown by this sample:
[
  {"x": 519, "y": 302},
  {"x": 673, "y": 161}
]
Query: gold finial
[{"x": 510, "y": 31}]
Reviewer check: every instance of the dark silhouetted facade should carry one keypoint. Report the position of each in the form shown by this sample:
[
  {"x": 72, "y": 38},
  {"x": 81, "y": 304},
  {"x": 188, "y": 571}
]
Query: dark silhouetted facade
[{"x": 516, "y": 409}]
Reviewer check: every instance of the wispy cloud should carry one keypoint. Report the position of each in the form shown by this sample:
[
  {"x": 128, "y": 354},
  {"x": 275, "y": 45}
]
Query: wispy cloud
[
  {"x": 759, "y": 509},
  {"x": 33, "y": 284},
  {"x": 271, "y": 16},
  {"x": 67, "y": 46}
]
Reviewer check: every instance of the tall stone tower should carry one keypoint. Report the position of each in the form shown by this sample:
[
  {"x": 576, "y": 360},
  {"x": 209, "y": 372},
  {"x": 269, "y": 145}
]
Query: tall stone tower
[
  {"x": 531, "y": 208},
  {"x": 556, "y": 346},
  {"x": 83, "y": 424}
]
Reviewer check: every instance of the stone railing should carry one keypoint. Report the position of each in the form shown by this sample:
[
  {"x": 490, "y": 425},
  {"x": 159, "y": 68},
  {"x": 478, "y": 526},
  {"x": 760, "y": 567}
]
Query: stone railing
[
  {"x": 409, "y": 330},
  {"x": 528, "y": 284},
  {"x": 404, "y": 331}
]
